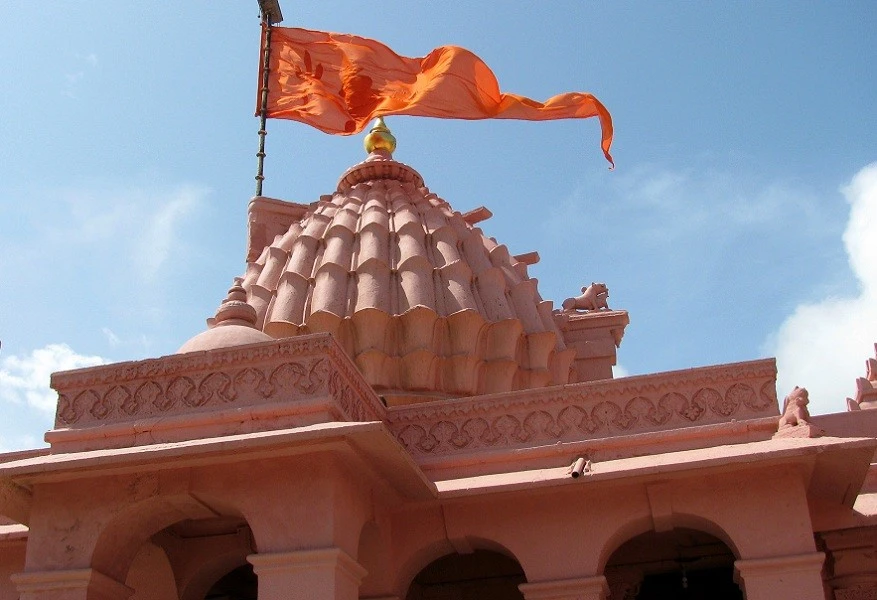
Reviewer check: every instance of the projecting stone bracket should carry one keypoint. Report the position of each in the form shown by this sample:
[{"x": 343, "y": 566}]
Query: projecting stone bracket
[{"x": 15, "y": 501}]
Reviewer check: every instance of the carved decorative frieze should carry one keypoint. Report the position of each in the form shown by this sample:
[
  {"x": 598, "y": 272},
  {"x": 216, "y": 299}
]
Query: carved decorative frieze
[
  {"x": 312, "y": 375},
  {"x": 288, "y": 371},
  {"x": 589, "y": 410}
]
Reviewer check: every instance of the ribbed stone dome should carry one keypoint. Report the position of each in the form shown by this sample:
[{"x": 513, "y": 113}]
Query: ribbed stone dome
[{"x": 423, "y": 302}]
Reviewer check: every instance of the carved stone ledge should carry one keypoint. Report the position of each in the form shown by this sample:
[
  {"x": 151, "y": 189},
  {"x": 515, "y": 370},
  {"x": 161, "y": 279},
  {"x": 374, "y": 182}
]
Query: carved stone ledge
[
  {"x": 378, "y": 166},
  {"x": 856, "y": 587},
  {"x": 802, "y": 430},
  {"x": 585, "y": 588},
  {"x": 68, "y": 584},
  {"x": 651, "y": 403},
  {"x": 859, "y": 592},
  {"x": 263, "y": 386}
]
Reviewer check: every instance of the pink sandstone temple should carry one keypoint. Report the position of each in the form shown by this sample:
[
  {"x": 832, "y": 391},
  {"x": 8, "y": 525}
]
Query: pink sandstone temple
[{"x": 384, "y": 408}]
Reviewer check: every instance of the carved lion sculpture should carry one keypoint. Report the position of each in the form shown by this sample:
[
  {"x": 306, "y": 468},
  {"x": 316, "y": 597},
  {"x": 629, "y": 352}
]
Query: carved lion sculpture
[
  {"x": 795, "y": 408},
  {"x": 593, "y": 298},
  {"x": 866, "y": 388}
]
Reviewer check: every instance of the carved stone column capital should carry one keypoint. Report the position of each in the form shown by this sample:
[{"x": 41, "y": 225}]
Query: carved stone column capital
[
  {"x": 796, "y": 576},
  {"x": 321, "y": 574},
  {"x": 585, "y": 588},
  {"x": 74, "y": 584}
]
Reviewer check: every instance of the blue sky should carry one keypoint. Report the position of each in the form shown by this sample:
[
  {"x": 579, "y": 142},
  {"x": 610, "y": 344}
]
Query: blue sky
[{"x": 745, "y": 138}]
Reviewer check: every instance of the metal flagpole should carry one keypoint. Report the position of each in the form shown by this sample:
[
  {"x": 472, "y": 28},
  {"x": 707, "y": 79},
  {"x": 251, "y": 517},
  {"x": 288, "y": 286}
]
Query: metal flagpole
[{"x": 271, "y": 14}]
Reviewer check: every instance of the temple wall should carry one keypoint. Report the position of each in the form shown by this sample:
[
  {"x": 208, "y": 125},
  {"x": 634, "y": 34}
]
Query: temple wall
[
  {"x": 569, "y": 534},
  {"x": 108, "y": 530},
  {"x": 151, "y": 576},
  {"x": 12, "y": 554},
  {"x": 354, "y": 508},
  {"x": 310, "y": 511}
]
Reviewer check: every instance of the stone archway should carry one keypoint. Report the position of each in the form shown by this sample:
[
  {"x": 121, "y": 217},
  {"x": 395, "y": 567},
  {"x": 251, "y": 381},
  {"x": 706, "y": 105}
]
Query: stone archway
[
  {"x": 209, "y": 558},
  {"x": 481, "y": 575},
  {"x": 684, "y": 564},
  {"x": 175, "y": 547}
]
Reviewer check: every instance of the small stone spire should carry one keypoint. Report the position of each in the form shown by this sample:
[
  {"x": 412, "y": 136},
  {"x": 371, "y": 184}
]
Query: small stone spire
[
  {"x": 380, "y": 138},
  {"x": 235, "y": 310}
]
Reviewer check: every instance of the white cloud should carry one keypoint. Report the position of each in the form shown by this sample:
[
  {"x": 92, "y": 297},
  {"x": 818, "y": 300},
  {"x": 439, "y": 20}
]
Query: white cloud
[
  {"x": 112, "y": 339},
  {"x": 823, "y": 345},
  {"x": 75, "y": 77},
  {"x": 143, "y": 223},
  {"x": 860, "y": 237},
  {"x": 90, "y": 58},
  {"x": 21, "y": 441},
  {"x": 686, "y": 206},
  {"x": 160, "y": 234},
  {"x": 25, "y": 379},
  {"x": 118, "y": 248}
]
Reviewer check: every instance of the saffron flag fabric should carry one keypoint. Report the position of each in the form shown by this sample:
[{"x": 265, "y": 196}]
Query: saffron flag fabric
[{"x": 338, "y": 83}]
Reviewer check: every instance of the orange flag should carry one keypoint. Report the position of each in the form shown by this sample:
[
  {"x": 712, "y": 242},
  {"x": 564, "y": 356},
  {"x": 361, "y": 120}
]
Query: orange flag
[{"x": 338, "y": 83}]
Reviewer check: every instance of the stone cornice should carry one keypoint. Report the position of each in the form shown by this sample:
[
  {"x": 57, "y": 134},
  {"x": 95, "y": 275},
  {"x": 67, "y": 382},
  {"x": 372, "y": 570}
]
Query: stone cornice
[
  {"x": 269, "y": 385},
  {"x": 601, "y": 409},
  {"x": 378, "y": 168},
  {"x": 772, "y": 565},
  {"x": 126, "y": 372},
  {"x": 96, "y": 584}
]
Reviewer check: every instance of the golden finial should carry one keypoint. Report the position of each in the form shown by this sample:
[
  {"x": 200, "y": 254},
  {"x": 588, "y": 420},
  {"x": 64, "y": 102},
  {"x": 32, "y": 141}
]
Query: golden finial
[{"x": 379, "y": 138}]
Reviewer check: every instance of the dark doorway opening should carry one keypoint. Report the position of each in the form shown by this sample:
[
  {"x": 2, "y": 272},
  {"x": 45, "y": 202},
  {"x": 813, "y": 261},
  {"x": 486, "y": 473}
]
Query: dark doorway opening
[
  {"x": 682, "y": 564},
  {"x": 704, "y": 584},
  {"x": 482, "y": 575},
  {"x": 239, "y": 584}
]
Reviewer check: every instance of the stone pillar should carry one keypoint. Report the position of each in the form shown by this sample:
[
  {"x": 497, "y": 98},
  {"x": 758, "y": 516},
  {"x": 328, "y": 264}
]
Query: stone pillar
[
  {"x": 78, "y": 584},
  {"x": 323, "y": 574},
  {"x": 586, "y": 588},
  {"x": 853, "y": 570},
  {"x": 595, "y": 335},
  {"x": 798, "y": 576}
]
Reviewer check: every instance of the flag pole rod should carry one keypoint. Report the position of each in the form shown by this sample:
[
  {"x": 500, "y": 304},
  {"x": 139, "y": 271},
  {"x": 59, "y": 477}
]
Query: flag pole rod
[
  {"x": 263, "y": 103},
  {"x": 271, "y": 14}
]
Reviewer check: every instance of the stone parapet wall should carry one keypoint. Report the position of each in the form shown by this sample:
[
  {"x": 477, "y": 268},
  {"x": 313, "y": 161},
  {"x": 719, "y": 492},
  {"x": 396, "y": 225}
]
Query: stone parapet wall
[
  {"x": 259, "y": 387},
  {"x": 309, "y": 379},
  {"x": 586, "y": 411}
]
